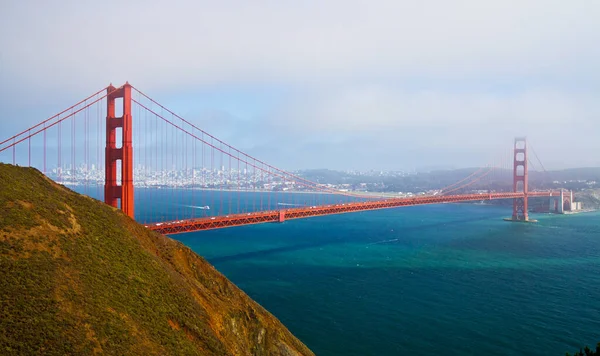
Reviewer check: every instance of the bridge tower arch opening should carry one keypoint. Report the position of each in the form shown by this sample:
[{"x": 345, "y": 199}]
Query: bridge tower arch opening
[
  {"x": 566, "y": 198},
  {"x": 520, "y": 180},
  {"x": 115, "y": 190}
]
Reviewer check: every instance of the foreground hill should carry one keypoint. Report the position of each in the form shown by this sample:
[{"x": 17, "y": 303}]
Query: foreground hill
[{"x": 79, "y": 277}]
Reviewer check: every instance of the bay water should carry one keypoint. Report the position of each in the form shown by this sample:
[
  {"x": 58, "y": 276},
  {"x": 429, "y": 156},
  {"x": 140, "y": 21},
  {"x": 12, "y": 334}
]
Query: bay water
[{"x": 450, "y": 279}]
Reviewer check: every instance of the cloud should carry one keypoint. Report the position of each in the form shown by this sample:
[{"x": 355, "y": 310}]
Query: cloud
[
  {"x": 200, "y": 42},
  {"x": 367, "y": 83},
  {"x": 380, "y": 126}
]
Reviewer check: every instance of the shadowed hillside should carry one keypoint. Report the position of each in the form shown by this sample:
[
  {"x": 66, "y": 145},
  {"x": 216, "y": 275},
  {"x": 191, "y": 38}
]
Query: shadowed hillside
[{"x": 79, "y": 277}]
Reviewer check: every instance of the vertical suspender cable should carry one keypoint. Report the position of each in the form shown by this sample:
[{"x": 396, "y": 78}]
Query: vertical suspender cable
[
  {"x": 45, "y": 149},
  {"x": 29, "y": 143}
]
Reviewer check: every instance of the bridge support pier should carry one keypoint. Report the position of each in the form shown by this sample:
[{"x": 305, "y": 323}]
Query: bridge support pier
[
  {"x": 113, "y": 189},
  {"x": 558, "y": 203},
  {"x": 562, "y": 202},
  {"x": 565, "y": 196},
  {"x": 281, "y": 216}
]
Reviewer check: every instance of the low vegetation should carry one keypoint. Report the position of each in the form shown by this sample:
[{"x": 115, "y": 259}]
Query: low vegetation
[
  {"x": 79, "y": 277},
  {"x": 587, "y": 352}
]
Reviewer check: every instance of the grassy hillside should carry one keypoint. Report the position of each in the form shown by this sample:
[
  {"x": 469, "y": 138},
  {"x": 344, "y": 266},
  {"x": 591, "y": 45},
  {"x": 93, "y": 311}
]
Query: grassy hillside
[{"x": 79, "y": 277}]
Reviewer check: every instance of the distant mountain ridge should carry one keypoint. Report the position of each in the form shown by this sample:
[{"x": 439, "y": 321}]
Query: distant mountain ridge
[
  {"x": 575, "y": 178},
  {"x": 79, "y": 277}
]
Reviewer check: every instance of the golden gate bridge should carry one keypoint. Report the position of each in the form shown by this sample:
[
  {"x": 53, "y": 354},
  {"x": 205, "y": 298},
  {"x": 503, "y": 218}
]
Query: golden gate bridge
[{"x": 175, "y": 157}]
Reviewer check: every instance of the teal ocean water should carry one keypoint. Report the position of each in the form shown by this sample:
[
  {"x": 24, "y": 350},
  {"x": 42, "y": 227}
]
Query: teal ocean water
[{"x": 452, "y": 279}]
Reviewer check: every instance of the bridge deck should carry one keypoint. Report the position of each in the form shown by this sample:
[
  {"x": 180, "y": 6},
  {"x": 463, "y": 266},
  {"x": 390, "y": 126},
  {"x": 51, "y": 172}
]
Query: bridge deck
[{"x": 218, "y": 222}]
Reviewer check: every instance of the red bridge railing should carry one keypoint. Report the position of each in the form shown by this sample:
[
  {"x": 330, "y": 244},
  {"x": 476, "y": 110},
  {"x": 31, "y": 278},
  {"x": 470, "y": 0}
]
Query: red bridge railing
[{"x": 218, "y": 222}]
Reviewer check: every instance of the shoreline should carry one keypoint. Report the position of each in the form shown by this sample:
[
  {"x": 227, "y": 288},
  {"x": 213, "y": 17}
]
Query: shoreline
[{"x": 579, "y": 211}]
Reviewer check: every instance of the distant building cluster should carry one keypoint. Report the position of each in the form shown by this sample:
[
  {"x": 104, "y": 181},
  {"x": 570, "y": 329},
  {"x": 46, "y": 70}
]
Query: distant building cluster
[
  {"x": 225, "y": 178},
  {"x": 589, "y": 183},
  {"x": 183, "y": 178}
]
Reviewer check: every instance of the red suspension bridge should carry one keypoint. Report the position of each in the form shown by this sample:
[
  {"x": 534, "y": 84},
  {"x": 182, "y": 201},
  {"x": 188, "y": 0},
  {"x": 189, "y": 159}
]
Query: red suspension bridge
[{"x": 208, "y": 183}]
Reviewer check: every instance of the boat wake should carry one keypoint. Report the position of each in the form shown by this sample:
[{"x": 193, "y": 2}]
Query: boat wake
[
  {"x": 205, "y": 207},
  {"x": 383, "y": 242}
]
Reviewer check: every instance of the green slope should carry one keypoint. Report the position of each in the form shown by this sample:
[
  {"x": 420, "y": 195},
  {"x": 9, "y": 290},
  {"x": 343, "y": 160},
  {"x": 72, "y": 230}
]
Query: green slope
[{"x": 79, "y": 277}]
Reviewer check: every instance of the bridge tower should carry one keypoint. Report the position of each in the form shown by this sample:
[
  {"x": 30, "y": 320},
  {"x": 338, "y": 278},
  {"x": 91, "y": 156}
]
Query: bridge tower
[
  {"x": 113, "y": 189},
  {"x": 520, "y": 180}
]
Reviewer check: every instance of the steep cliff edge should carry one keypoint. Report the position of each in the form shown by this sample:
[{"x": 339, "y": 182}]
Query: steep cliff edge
[
  {"x": 589, "y": 198},
  {"x": 79, "y": 277}
]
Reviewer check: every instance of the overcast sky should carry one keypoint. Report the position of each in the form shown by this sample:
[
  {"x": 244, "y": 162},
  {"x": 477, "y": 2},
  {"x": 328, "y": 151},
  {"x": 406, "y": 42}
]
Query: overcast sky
[{"x": 326, "y": 84}]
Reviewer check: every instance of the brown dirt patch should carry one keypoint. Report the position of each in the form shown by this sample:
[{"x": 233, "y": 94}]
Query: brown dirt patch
[
  {"x": 25, "y": 204},
  {"x": 173, "y": 325}
]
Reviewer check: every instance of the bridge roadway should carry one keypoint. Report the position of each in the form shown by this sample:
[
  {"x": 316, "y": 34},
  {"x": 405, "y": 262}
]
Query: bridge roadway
[{"x": 218, "y": 222}]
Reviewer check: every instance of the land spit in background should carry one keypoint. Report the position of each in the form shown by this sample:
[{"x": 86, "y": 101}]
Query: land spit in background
[{"x": 80, "y": 277}]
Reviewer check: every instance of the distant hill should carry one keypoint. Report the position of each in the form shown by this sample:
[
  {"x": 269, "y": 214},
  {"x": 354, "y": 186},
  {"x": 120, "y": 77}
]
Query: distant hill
[
  {"x": 79, "y": 277},
  {"x": 500, "y": 180},
  {"x": 590, "y": 198}
]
